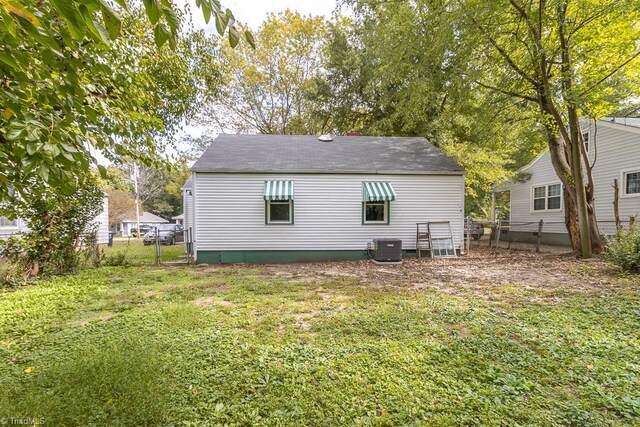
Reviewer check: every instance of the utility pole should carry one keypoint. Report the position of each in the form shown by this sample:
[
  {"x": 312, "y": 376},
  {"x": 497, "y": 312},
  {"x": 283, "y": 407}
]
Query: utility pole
[{"x": 135, "y": 187}]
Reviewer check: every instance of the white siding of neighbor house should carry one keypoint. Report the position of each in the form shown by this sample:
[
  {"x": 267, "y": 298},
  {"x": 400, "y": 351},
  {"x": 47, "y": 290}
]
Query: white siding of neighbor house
[
  {"x": 103, "y": 222},
  {"x": 102, "y": 219},
  {"x": 188, "y": 209},
  {"x": 618, "y": 150},
  {"x": 542, "y": 173},
  {"x": 229, "y": 211},
  {"x": 8, "y": 231}
]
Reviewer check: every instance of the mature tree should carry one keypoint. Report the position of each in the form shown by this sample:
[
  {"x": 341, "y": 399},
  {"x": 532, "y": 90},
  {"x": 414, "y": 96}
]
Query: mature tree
[
  {"x": 265, "y": 88},
  {"x": 567, "y": 59},
  {"x": 122, "y": 205},
  {"x": 398, "y": 68},
  {"x": 71, "y": 84},
  {"x": 159, "y": 188}
]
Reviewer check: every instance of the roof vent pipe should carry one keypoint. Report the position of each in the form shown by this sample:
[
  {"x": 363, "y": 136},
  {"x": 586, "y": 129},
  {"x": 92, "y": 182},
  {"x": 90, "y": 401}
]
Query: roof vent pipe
[{"x": 325, "y": 138}]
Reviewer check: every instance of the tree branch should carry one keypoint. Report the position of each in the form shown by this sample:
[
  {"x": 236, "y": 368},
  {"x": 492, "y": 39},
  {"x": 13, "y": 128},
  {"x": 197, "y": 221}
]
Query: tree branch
[
  {"x": 611, "y": 73},
  {"x": 507, "y": 92}
]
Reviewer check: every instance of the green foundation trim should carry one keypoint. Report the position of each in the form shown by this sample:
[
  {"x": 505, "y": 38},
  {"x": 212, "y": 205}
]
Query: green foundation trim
[{"x": 282, "y": 257}]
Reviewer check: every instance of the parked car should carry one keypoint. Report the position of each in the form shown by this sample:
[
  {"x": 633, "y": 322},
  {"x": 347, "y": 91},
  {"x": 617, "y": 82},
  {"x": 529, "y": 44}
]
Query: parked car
[
  {"x": 474, "y": 228},
  {"x": 143, "y": 229},
  {"x": 168, "y": 234}
]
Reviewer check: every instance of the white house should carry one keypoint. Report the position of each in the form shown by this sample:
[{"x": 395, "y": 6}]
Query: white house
[
  {"x": 613, "y": 146},
  {"x": 275, "y": 198},
  {"x": 127, "y": 225},
  {"x": 178, "y": 219},
  {"x": 10, "y": 227}
]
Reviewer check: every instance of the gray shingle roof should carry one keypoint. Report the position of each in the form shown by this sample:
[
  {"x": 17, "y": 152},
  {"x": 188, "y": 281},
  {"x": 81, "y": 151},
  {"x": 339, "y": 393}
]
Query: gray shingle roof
[
  {"x": 305, "y": 153},
  {"x": 147, "y": 218},
  {"x": 627, "y": 121}
]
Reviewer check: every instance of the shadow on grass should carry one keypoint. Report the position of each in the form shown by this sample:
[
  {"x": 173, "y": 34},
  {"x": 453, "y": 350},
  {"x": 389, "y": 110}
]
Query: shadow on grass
[{"x": 119, "y": 381}]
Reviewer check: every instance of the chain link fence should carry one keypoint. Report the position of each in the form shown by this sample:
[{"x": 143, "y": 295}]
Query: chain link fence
[
  {"x": 151, "y": 248},
  {"x": 538, "y": 236}
]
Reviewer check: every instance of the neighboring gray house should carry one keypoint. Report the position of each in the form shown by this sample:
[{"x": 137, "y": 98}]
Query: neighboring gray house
[
  {"x": 10, "y": 227},
  {"x": 275, "y": 198},
  {"x": 127, "y": 225},
  {"x": 614, "y": 145}
]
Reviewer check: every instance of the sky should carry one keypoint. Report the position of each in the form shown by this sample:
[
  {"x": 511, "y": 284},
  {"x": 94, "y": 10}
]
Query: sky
[{"x": 253, "y": 12}]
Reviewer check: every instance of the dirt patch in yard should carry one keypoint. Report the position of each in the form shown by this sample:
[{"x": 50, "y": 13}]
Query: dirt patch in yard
[
  {"x": 212, "y": 300},
  {"x": 481, "y": 272}
]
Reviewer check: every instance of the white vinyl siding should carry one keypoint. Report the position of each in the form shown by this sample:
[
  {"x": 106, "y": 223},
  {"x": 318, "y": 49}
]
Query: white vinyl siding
[
  {"x": 616, "y": 151},
  {"x": 522, "y": 196},
  {"x": 102, "y": 221},
  {"x": 229, "y": 211},
  {"x": 188, "y": 209},
  {"x": 8, "y": 223}
]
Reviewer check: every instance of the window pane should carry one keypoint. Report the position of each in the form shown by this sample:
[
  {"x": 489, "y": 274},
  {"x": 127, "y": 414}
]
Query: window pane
[
  {"x": 553, "y": 202},
  {"x": 374, "y": 211},
  {"x": 539, "y": 192},
  {"x": 554, "y": 190},
  {"x": 585, "y": 137},
  {"x": 279, "y": 212},
  {"x": 538, "y": 204},
  {"x": 633, "y": 183}
]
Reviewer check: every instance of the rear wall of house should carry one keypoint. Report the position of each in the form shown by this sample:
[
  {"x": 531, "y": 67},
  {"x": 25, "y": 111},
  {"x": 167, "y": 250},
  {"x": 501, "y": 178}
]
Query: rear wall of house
[{"x": 230, "y": 211}]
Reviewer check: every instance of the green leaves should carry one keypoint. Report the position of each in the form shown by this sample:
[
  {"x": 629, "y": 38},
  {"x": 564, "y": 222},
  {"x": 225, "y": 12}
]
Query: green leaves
[
  {"x": 161, "y": 35},
  {"x": 112, "y": 19},
  {"x": 14, "y": 7}
]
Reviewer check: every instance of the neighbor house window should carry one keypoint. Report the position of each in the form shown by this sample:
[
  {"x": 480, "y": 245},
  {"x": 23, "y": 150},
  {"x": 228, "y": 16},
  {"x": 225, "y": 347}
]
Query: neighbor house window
[
  {"x": 278, "y": 197},
  {"x": 376, "y": 202},
  {"x": 585, "y": 137},
  {"x": 6, "y": 222},
  {"x": 631, "y": 182},
  {"x": 547, "y": 197}
]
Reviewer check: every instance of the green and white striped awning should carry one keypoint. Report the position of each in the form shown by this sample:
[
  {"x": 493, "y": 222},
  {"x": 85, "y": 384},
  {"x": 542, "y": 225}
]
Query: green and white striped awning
[
  {"x": 278, "y": 190},
  {"x": 378, "y": 191}
]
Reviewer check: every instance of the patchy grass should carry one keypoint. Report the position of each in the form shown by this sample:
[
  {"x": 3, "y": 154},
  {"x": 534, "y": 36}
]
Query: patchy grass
[
  {"x": 327, "y": 344},
  {"x": 134, "y": 252}
]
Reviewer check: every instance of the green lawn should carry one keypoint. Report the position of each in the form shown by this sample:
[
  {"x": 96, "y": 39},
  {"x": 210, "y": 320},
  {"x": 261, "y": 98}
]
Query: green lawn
[
  {"x": 522, "y": 340},
  {"x": 135, "y": 253}
]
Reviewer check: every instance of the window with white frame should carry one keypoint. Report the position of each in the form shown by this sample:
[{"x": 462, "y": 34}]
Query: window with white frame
[
  {"x": 8, "y": 223},
  {"x": 377, "y": 197},
  {"x": 279, "y": 211},
  {"x": 631, "y": 181},
  {"x": 585, "y": 137},
  {"x": 376, "y": 212},
  {"x": 278, "y": 202},
  {"x": 547, "y": 197}
]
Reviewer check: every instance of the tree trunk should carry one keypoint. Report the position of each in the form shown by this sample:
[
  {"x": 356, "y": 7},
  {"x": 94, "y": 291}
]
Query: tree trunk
[
  {"x": 571, "y": 220},
  {"x": 582, "y": 203}
]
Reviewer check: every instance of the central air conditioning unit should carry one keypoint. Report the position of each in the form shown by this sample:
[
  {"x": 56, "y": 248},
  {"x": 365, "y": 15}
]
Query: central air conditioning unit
[{"x": 387, "y": 251}]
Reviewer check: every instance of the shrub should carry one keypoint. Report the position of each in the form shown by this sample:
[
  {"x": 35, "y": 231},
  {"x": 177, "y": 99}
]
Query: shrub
[
  {"x": 57, "y": 226},
  {"x": 623, "y": 249}
]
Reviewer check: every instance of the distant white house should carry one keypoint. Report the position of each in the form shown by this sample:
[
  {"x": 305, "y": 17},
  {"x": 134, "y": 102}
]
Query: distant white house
[
  {"x": 178, "y": 219},
  {"x": 10, "y": 227},
  {"x": 291, "y": 198},
  {"x": 613, "y": 146},
  {"x": 129, "y": 224}
]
